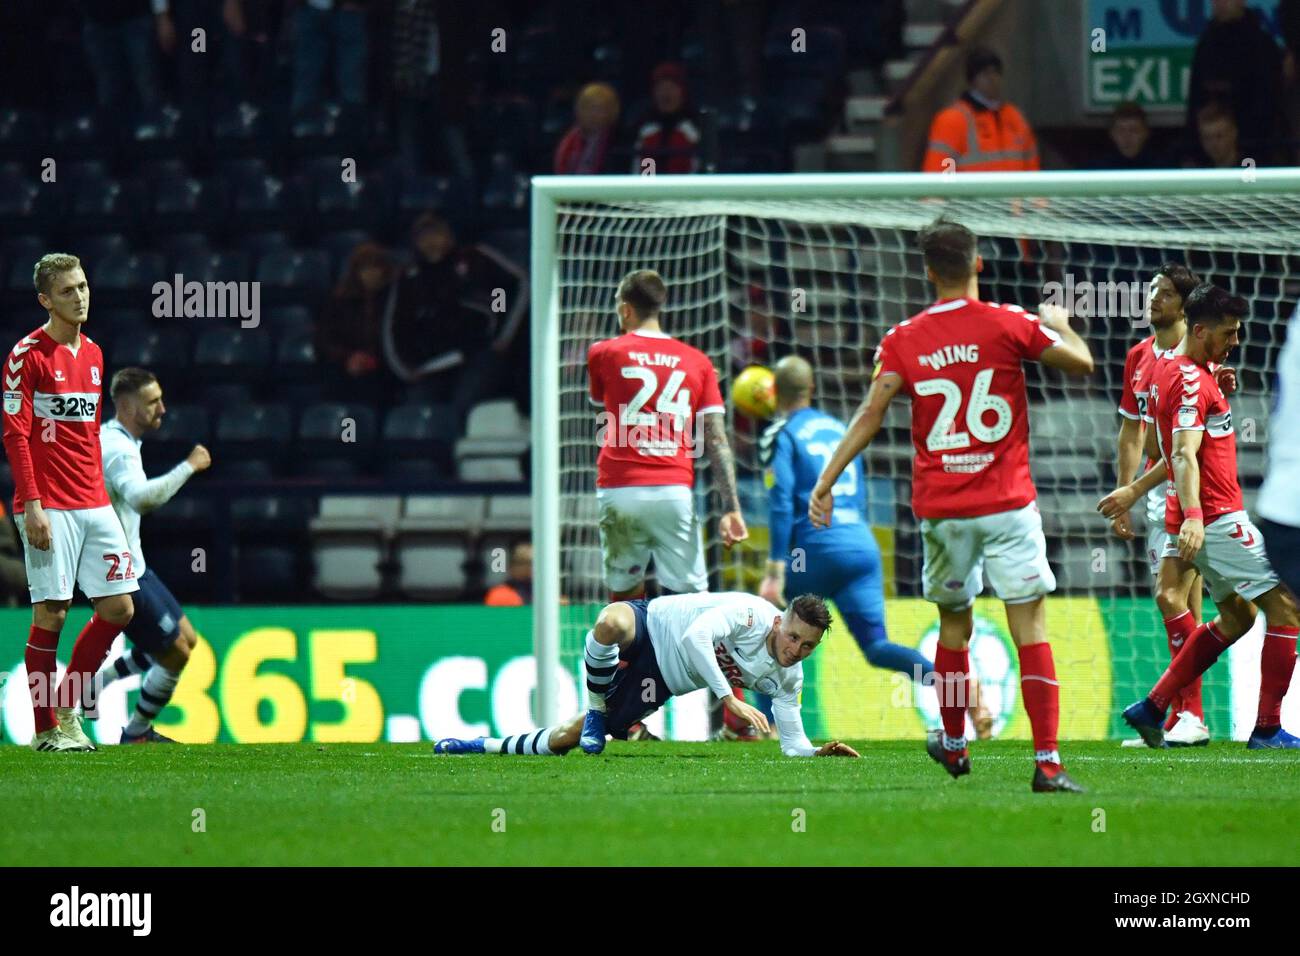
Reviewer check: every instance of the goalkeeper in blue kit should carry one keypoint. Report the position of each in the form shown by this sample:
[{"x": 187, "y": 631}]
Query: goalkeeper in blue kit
[{"x": 842, "y": 561}]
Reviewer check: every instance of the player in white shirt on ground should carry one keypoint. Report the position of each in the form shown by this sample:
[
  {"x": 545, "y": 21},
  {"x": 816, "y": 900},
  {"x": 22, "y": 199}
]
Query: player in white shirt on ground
[
  {"x": 160, "y": 632},
  {"x": 677, "y": 644}
]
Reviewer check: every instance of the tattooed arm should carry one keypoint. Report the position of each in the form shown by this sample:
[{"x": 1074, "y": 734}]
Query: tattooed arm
[{"x": 722, "y": 466}]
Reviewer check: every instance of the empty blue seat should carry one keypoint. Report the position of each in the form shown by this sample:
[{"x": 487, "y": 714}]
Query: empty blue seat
[
  {"x": 127, "y": 272},
  {"x": 294, "y": 274},
  {"x": 337, "y": 430},
  {"x": 231, "y": 354}
]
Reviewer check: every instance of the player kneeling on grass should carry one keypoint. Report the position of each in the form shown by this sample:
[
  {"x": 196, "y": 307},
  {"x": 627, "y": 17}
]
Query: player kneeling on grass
[{"x": 678, "y": 644}]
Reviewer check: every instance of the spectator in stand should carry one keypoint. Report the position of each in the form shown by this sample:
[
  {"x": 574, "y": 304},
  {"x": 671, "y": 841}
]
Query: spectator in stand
[
  {"x": 427, "y": 76},
  {"x": 453, "y": 317},
  {"x": 980, "y": 132},
  {"x": 1218, "y": 145},
  {"x": 585, "y": 147},
  {"x": 349, "y": 335},
  {"x": 122, "y": 39},
  {"x": 1130, "y": 138},
  {"x": 1238, "y": 63},
  {"x": 329, "y": 32},
  {"x": 669, "y": 135},
  {"x": 248, "y": 49},
  {"x": 517, "y": 589}
]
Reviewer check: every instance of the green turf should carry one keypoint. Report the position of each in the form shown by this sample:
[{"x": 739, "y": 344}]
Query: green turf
[{"x": 641, "y": 804}]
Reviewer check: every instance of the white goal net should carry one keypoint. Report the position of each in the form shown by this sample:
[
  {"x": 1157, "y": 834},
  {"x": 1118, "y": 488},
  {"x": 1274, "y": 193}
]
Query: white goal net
[{"x": 822, "y": 266}]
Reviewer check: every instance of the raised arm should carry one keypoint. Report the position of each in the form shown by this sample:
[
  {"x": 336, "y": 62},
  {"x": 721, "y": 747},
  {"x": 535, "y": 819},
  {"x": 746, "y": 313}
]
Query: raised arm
[
  {"x": 862, "y": 429},
  {"x": 1071, "y": 354},
  {"x": 125, "y": 477}
]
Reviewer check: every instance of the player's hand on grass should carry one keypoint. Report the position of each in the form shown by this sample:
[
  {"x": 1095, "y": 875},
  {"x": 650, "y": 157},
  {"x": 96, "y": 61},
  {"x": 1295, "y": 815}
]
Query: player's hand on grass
[
  {"x": 1118, "y": 502},
  {"x": 37, "y": 526},
  {"x": 820, "y": 505},
  {"x": 199, "y": 458},
  {"x": 833, "y": 748},
  {"x": 1226, "y": 376},
  {"x": 1190, "y": 538},
  {"x": 732, "y": 528},
  {"x": 750, "y": 715}
]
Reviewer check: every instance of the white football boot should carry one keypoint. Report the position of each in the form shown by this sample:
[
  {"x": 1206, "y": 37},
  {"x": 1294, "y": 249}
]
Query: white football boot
[
  {"x": 55, "y": 740},
  {"x": 1188, "y": 732},
  {"x": 70, "y": 723}
]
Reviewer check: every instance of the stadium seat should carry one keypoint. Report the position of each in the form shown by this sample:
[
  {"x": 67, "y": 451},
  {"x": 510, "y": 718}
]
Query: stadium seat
[
  {"x": 157, "y": 168},
  {"x": 262, "y": 203},
  {"x": 94, "y": 249},
  {"x": 254, "y": 431},
  {"x": 350, "y": 539},
  {"x": 128, "y": 272},
  {"x": 290, "y": 319},
  {"x": 1071, "y": 513},
  {"x": 432, "y": 545},
  {"x": 22, "y": 132},
  {"x": 179, "y": 203},
  {"x": 232, "y": 354},
  {"x": 107, "y": 205},
  {"x": 505, "y": 194},
  {"x": 80, "y": 136},
  {"x": 495, "y": 438},
  {"x": 294, "y": 275},
  {"x": 417, "y": 440},
  {"x": 336, "y": 432},
  {"x": 165, "y": 352},
  {"x": 451, "y": 197},
  {"x": 184, "y": 514},
  {"x": 509, "y": 517},
  {"x": 208, "y": 266},
  {"x": 295, "y": 357},
  {"x": 346, "y": 205},
  {"x": 240, "y": 131},
  {"x": 339, "y": 245},
  {"x": 175, "y": 564},
  {"x": 179, "y": 244},
  {"x": 23, "y": 206},
  {"x": 242, "y": 469},
  {"x": 266, "y": 573}
]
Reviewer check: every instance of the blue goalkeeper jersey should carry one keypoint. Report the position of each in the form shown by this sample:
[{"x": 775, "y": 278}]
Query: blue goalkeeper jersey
[{"x": 793, "y": 452}]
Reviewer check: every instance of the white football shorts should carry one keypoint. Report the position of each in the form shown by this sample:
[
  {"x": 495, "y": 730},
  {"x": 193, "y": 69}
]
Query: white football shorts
[
  {"x": 639, "y": 522},
  {"x": 88, "y": 547},
  {"x": 1232, "y": 559},
  {"x": 1009, "y": 544}
]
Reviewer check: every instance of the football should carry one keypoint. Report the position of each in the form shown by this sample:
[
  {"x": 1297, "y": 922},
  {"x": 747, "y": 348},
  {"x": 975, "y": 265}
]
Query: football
[{"x": 754, "y": 392}]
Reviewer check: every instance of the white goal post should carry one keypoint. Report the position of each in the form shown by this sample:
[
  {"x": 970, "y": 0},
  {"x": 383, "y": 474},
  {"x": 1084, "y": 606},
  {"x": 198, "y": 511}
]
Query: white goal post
[{"x": 855, "y": 232}]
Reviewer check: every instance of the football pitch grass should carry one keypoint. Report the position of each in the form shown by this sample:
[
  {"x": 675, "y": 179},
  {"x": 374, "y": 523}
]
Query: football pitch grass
[{"x": 642, "y": 804}]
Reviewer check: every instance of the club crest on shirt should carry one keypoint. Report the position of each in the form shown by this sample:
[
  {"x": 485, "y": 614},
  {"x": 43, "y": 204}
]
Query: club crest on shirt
[
  {"x": 58, "y": 375},
  {"x": 94, "y": 375}
]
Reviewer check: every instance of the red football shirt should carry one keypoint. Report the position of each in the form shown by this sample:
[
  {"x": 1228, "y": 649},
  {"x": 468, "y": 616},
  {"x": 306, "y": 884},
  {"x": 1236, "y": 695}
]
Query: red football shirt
[
  {"x": 51, "y": 422},
  {"x": 960, "y": 361},
  {"x": 1185, "y": 397},
  {"x": 652, "y": 388}
]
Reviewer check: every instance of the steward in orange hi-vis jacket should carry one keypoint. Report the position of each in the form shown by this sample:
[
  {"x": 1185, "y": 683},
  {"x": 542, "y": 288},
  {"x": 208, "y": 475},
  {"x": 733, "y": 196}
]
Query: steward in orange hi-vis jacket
[{"x": 980, "y": 133}]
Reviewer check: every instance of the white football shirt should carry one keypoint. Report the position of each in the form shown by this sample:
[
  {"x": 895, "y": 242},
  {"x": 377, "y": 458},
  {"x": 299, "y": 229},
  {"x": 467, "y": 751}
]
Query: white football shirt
[
  {"x": 129, "y": 491},
  {"x": 719, "y": 641}
]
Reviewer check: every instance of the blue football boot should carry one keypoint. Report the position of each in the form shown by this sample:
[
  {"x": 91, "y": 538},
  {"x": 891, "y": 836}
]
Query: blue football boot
[
  {"x": 1279, "y": 740},
  {"x": 1147, "y": 721},
  {"x": 592, "y": 740},
  {"x": 454, "y": 745}
]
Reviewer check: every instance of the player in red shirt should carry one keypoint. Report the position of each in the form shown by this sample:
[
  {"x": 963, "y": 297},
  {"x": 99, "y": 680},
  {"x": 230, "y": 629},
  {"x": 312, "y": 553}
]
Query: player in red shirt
[
  {"x": 1208, "y": 527},
  {"x": 657, "y": 394},
  {"x": 1180, "y": 611},
  {"x": 69, "y": 531},
  {"x": 960, "y": 362}
]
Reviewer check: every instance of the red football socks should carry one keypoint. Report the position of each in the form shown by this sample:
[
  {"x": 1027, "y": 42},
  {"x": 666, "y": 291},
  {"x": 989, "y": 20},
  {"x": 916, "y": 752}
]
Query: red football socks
[
  {"x": 1276, "y": 663},
  {"x": 1042, "y": 696},
  {"x": 1199, "y": 651},
  {"x": 41, "y": 674},
  {"x": 87, "y": 654},
  {"x": 1177, "y": 631},
  {"x": 950, "y": 670}
]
